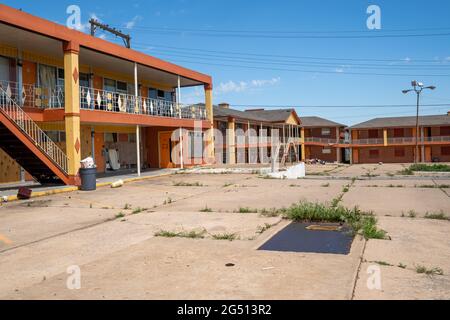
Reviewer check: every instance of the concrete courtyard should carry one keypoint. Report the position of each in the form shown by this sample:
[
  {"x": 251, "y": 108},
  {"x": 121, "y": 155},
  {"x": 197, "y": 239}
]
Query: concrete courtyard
[{"x": 110, "y": 235}]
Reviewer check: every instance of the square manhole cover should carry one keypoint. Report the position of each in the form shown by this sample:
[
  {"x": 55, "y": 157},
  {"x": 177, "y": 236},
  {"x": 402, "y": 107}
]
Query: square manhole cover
[{"x": 311, "y": 237}]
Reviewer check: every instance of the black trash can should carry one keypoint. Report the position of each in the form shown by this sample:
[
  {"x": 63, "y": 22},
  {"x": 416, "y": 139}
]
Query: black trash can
[{"x": 88, "y": 179}]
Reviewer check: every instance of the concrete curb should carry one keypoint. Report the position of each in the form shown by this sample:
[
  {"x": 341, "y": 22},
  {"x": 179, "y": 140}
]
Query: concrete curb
[{"x": 38, "y": 194}]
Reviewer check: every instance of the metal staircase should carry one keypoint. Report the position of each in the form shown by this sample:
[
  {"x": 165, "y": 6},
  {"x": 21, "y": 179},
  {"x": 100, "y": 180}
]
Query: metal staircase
[{"x": 26, "y": 143}]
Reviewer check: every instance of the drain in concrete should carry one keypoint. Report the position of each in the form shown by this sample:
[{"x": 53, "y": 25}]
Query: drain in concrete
[{"x": 309, "y": 237}]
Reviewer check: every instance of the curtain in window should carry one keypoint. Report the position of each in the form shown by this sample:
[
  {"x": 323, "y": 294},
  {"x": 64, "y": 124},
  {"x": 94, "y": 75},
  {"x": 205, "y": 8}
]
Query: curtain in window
[{"x": 47, "y": 82}]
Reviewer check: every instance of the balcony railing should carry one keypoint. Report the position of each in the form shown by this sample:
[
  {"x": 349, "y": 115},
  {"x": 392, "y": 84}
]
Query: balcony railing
[
  {"x": 321, "y": 140},
  {"x": 29, "y": 95},
  {"x": 437, "y": 139},
  {"x": 93, "y": 99},
  {"x": 368, "y": 141},
  {"x": 402, "y": 140}
]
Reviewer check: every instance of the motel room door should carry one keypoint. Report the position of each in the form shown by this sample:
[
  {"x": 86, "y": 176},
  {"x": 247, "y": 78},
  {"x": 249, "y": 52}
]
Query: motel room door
[
  {"x": 428, "y": 156},
  {"x": 165, "y": 150}
]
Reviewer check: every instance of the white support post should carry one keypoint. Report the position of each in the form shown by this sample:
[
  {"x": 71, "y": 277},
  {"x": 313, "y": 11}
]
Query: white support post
[
  {"x": 138, "y": 131},
  {"x": 181, "y": 130}
]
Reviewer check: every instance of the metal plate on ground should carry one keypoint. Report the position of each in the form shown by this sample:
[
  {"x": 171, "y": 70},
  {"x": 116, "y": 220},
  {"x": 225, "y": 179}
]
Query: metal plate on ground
[{"x": 299, "y": 237}]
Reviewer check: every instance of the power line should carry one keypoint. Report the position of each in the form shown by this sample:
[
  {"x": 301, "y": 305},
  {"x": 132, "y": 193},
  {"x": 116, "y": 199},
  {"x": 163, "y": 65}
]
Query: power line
[
  {"x": 422, "y": 35},
  {"x": 280, "y": 56},
  {"x": 312, "y": 71},
  {"x": 284, "y": 31},
  {"x": 293, "y": 34},
  {"x": 301, "y": 64},
  {"x": 336, "y": 106}
]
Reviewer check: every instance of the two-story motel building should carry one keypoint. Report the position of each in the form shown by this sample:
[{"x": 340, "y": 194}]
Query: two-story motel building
[{"x": 65, "y": 95}]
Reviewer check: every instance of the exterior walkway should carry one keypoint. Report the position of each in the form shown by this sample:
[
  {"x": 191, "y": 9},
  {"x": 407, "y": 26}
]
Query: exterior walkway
[{"x": 8, "y": 191}]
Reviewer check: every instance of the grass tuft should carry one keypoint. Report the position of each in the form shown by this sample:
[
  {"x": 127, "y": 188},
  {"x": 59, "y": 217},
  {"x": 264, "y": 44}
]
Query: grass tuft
[
  {"x": 264, "y": 228},
  {"x": 246, "y": 210},
  {"x": 430, "y": 167},
  {"x": 360, "y": 222},
  {"x": 406, "y": 172},
  {"x": 184, "y": 234},
  {"x": 225, "y": 236},
  {"x": 187, "y": 184},
  {"x": 120, "y": 215},
  {"x": 206, "y": 209},
  {"x": 138, "y": 210},
  {"x": 433, "y": 271},
  {"x": 436, "y": 216}
]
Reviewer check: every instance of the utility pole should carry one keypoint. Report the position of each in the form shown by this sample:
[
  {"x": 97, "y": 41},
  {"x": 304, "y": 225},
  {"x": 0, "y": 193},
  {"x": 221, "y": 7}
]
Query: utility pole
[
  {"x": 418, "y": 87},
  {"x": 125, "y": 37}
]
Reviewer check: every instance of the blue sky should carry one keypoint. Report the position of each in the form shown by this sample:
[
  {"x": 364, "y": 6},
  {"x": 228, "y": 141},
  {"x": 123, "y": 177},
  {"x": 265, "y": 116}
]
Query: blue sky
[{"x": 159, "y": 28}]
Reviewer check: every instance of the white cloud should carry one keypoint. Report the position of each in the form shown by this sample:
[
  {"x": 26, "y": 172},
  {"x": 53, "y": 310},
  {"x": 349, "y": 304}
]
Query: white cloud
[
  {"x": 241, "y": 86},
  {"x": 130, "y": 24}
]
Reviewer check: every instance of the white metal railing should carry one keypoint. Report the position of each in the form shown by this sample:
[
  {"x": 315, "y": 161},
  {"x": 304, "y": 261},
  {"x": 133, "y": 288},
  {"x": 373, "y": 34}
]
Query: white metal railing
[
  {"x": 402, "y": 140},
  {"x": 437, "y": 139},
  {"x": 368, "y": 141},
  {"x": 321, "y": 140},
  {"x": 94, "y": 99},
  {"x": 30, "y": 95},
  {"x": 10, "y": 108}
]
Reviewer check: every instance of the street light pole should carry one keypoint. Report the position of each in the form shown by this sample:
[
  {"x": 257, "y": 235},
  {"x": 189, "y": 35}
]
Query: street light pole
[
  {"x": 416, "y": 156},
  {"x": 418, "y": 87}
]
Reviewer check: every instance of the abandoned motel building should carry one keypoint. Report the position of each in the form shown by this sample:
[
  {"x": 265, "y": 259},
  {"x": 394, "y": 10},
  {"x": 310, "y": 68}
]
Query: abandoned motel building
[{"x": 66, "y": 95}]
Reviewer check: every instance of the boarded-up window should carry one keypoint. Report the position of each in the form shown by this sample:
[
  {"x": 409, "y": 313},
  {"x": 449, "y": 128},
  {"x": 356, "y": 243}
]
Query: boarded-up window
[
  {"x": 374, "y": 153},
  {"x": 399, "y": 152},
  {"x": 445, "y": 131},
  {"x": 399, "y": 133},
  {"x": 373, "y": 134},
  {"x": 445, "y": 151}
]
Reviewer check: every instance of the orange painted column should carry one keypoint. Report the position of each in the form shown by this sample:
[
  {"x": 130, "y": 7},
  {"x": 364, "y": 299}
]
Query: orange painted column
[
  {"x": 210, "y": 117},
  {"x": 72, "y": 108}
]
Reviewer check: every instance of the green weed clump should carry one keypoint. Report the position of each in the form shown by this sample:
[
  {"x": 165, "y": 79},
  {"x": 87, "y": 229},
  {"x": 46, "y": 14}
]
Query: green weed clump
[{"x": 359, "y": 221}]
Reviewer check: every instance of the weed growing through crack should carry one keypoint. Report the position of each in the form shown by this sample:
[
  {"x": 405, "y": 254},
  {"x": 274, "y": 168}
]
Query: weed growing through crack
[
  {"x": 412, "y": 213},
  {"x": 138, "y": 210},
  {"x": 430, "y": 168},
  {"x": 264, "y": 228},
  {"x": 228, "y": 184},
  {"x": 187, "y": 184},
  {"x": 246, "y": 210},
  {"x": 401, "y": 265},
  {"x": 437, "y": 216},
  {"x": 269, "y": 212},
  {"x": 206, "y": 209},
  {"x": 433, "y": 271},
  {"x": 432, "y": 186},
  {"x": 225, "y": 236},
  {"x": 383, "y": 263},
  {"x": 325, "y": 185},
  {"x": 127, "y": 206},
  {"x": 406, "y": 172},
  {"x": 120, "y": 215},
  {"x": 183, "y": 234}
]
